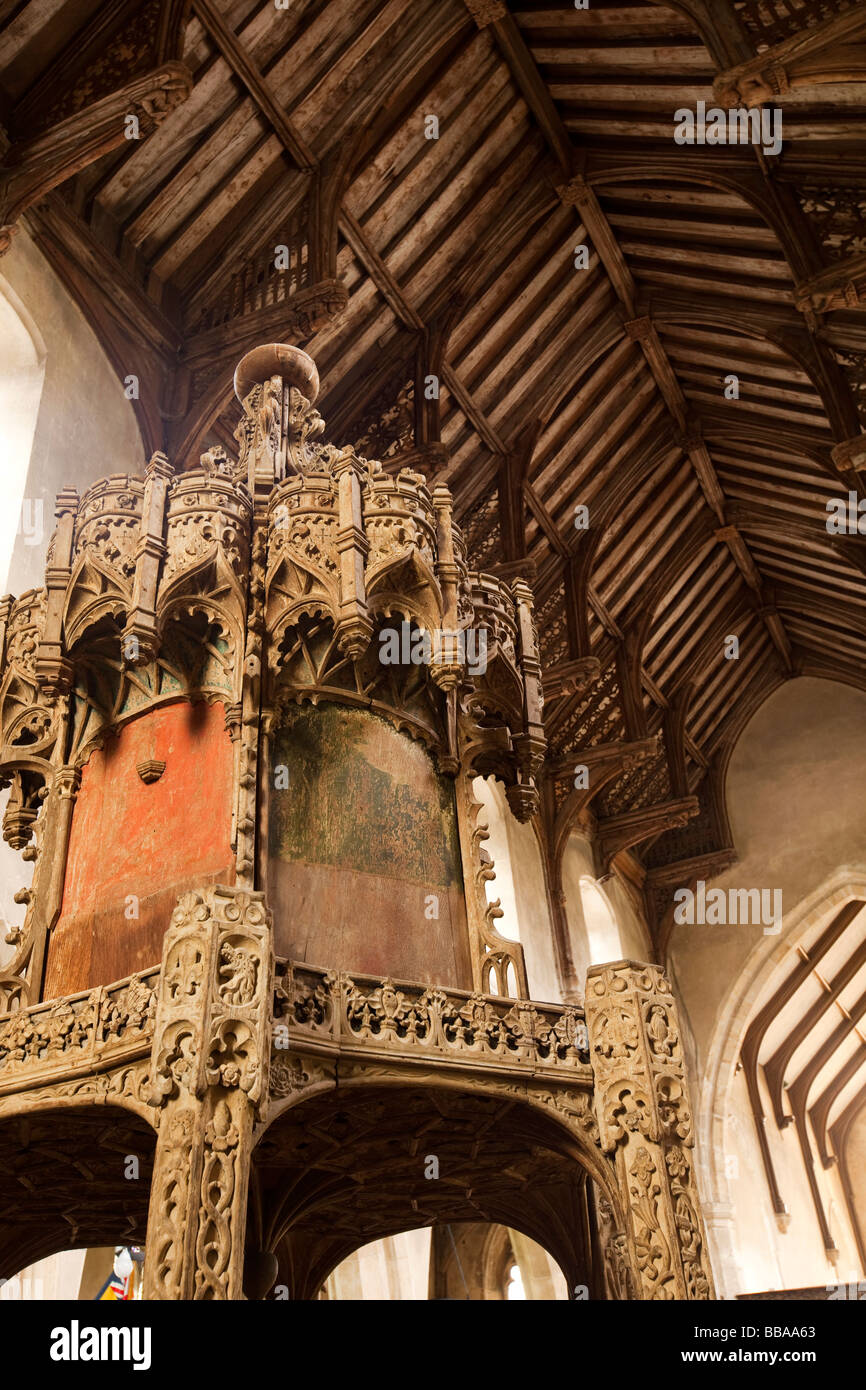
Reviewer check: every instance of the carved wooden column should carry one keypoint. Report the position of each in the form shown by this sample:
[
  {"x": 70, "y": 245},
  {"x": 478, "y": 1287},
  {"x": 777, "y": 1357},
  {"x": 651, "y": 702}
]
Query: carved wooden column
[
  {"x": 209, "y": 1076},
  {"x": 645, "y": 1123},
  {"x": 530, "y": 744},
  {"x": 248, "y": 727},
  {"x": 53, "y": 670},
  {"x": 445, "y": 666},
  {"x": 46, "y": 892},
  {"x": 615, "y": 1274},
  {"x": 141, "y": 625},
  {"x": 354, "y": 626}
]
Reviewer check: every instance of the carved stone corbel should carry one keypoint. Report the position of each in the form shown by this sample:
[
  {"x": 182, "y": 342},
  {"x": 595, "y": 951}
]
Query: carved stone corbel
[
  {"x": 209, "y": 1078},
  {"x": 645, "y": 1124}
]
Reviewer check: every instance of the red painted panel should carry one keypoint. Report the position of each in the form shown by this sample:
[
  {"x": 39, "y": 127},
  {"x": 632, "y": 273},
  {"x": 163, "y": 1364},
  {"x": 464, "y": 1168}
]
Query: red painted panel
[{"x": 153, "y": 841}]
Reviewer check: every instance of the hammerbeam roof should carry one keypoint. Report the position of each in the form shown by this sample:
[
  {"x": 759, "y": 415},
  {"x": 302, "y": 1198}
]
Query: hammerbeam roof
[{"x": 455, "y": 258}]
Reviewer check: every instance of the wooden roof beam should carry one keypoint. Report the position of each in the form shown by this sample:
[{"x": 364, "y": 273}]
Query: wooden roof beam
[
  {"x": 576, "y": 192},
  {"x": 31, "y": 168},
  {"x": 545, "y": 521},
  {"x": 378, "y": 272},
  {"x": 246, "y": 70},
  {"x": 614, "y": 756},
  {"x": 406, "y": 314},
  {"x": 769, "y": 614},
  {"x": 526, "y": 75},
  {"x": 693, "y": 444}
]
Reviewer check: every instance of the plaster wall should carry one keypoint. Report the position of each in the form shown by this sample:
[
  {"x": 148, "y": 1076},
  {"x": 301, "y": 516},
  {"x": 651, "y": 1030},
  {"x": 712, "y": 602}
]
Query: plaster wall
[
  {"x": 602, "y": 918},
  {"x": 520, "y": 889},
  {"x": 797, "y": 811},
  {"x": 798, "y": 819},
  {"x": 85, "y": 427}
]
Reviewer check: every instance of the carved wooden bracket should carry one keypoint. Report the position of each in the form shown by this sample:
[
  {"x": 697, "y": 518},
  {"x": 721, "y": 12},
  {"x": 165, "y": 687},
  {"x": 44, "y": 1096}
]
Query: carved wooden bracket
[
  {"x": 841, "y": 286},
  {"x": 826, "y": 53},
  {"x": 571, "y": 677},
  {"x": 617, "y": 833},
  {"x": 31, "y": 168}
]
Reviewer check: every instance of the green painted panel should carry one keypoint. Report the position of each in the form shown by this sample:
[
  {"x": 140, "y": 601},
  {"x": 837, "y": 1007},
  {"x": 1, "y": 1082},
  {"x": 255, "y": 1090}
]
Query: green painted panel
[{"x": 360, "y": 795}]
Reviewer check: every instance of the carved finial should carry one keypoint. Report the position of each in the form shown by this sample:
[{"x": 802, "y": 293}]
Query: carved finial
[
  {"x": 295, "y": 367},
  {"x": 215, "y": 462},
  {"x": 158, "y": 466},
  {"x": 276, "y": 385}
]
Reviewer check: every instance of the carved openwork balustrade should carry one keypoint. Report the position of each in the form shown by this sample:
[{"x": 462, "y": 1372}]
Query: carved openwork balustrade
[{"x": 325, "y": 1014}]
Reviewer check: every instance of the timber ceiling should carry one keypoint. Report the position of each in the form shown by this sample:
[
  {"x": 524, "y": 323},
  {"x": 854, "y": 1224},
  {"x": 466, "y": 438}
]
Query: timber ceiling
[{"x": 455, "y": 257}]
